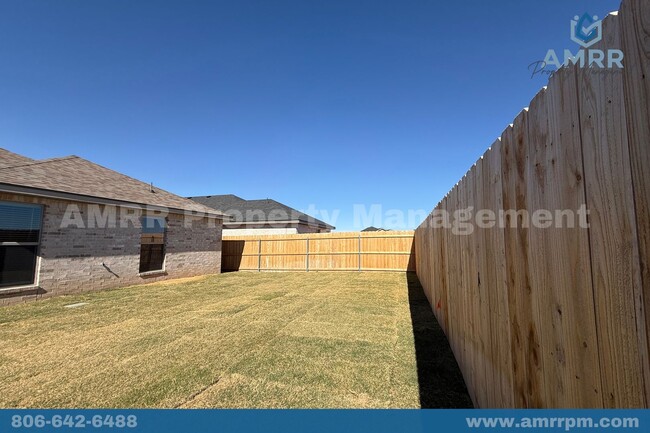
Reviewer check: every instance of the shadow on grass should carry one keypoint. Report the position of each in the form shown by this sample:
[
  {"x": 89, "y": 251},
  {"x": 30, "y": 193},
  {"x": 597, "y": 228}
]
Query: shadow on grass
[{"x": 440, "y": 380}]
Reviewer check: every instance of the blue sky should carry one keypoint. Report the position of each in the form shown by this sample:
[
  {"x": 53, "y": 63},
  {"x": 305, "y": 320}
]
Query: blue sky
[{"x": 328, "y": 103}]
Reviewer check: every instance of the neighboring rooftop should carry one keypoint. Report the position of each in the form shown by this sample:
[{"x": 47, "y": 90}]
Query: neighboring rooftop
[
  {"x": 264, "y": 210},
  {"x": 80, "y": 177},
  {"x": 374, "y": 229}
]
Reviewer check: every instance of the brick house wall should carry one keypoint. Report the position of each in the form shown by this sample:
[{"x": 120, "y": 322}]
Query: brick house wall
[{"x": 75, "y": 260}]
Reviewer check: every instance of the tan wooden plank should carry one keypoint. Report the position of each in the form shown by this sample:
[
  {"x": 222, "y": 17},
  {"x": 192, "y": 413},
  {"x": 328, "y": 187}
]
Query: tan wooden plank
[
  {"x": 439, "y": 278},
  {"x": 495, "y": 279},
  {"x": 524, "y": 333},
  {"x": 563, "y": 279},
  {"x": 297, "y": 263},
  {"x": 613, "y": 237},
  {"x": 418, "y": 239},
  {"x": 467, "y": 277},
  {"x": 457, "y": 323},
  {"x": 514, "y": 273},
  {"x": 635, "y": 41},
  {"x": 384, "y": 261},
  {"x": 445, "y": 205},
  {"x": 424, "y": 272},
  {"x": 540, "y": 271},
  {"x": 489, "y": 392},
  {"x": 480, "y": 312}
]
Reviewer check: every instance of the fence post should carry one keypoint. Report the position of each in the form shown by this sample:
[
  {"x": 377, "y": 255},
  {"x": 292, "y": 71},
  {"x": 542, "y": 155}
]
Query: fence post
[
  {"x": 307, "y": 258},
  {"x": 359, "y": 252},
  {"x": 259, "y": 255}
]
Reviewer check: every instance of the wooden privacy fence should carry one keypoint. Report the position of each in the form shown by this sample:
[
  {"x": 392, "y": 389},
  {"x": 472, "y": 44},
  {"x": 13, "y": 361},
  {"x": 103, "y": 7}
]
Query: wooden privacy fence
[
  {"x": 556, "y": 317},
  {"x": 366, "y": 251}
]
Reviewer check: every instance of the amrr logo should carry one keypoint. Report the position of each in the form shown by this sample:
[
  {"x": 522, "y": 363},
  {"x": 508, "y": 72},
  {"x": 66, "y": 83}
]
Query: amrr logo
[{"x": 586, "y": 30}]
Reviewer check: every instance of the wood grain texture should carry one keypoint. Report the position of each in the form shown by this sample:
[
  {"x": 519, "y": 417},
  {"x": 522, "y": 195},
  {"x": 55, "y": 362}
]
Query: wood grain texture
[
  {"x": 634, "y": 27},
  {"x": 442, "y": 303},
  {"x": 613, "y": 238},
  {"x": 475, "y": 346},
  {"x": 557, "y": 316},
  {"x": 540, "y": 272},
  {"x": 571, "y": 361},
  {"x": 486, "y": 359},
  {"x": 497, "y": 277},
  {"x": 390, "y": 251},
  {"x": 455, "y": 294},
  {"x": 524, "y": 332}
]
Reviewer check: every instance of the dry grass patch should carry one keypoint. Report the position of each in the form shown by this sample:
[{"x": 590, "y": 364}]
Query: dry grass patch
[{"x": 232, "y": 340}]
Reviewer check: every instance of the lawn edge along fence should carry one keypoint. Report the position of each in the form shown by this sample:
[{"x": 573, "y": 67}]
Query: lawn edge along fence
[
  {"x": 557, "y": 317},
  {"x": 353, "y": 251}
]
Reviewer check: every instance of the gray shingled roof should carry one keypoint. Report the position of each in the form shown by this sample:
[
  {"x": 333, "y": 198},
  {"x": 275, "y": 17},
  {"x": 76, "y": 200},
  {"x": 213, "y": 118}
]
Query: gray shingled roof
[
  {"x": 265, "y": 210},
  {"x": 80, "y": 177}
]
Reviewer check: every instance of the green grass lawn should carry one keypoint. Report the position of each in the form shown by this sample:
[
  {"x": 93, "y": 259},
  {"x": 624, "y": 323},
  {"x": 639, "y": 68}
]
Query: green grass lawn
[{"x": 269, "y": 340}]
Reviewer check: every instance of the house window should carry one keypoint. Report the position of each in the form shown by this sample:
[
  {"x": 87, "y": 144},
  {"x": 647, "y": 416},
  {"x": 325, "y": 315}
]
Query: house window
[
  {"x": 152, "y": 244},
  {"x": 20, "y": 234}
]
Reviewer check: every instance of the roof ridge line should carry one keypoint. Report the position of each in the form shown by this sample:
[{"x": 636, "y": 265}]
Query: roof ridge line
[{"x": 41, "y": 161}]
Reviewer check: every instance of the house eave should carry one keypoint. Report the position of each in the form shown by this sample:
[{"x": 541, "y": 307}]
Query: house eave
[{"x": 38, "y": 192}]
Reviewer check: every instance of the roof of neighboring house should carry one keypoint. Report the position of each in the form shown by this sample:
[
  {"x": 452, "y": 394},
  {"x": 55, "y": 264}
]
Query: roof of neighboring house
[
  {"x": 265, "y": 210},
  {"x": 74, "y": 176},
  {"x": 374, "y": 229}
]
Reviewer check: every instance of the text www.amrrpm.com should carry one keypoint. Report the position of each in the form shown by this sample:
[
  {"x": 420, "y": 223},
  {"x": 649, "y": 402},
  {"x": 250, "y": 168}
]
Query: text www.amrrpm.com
[{"x": 566, "y": 423}]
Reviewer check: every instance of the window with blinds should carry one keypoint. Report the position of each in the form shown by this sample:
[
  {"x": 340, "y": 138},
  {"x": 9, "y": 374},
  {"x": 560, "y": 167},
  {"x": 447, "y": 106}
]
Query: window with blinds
[
  {"x": 20, "y": 233},
  {"x": 152, "y": 244}
]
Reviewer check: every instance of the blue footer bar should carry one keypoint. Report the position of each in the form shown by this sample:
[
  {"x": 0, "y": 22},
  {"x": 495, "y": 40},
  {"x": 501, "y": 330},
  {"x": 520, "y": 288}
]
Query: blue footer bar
[{"x": 322, "y": 421}]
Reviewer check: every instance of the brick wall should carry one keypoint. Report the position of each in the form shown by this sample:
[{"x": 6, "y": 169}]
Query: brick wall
[{"x": 76, "y": 259}]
